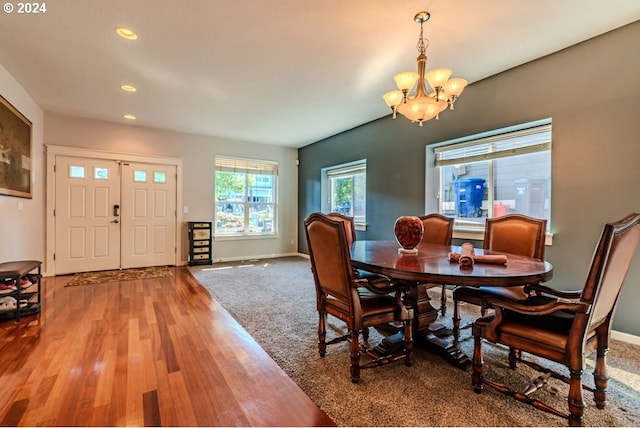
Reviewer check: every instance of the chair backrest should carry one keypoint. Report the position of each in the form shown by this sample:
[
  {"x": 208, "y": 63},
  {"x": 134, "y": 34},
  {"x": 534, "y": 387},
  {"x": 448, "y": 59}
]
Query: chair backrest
[
  {"x": 349, "y": 225},
  {"x": 609, "y": 266},
  {"x": 438, "y": 229},
  {"x": 516, "y": 234},
  {"x": 330, "y": 258}
]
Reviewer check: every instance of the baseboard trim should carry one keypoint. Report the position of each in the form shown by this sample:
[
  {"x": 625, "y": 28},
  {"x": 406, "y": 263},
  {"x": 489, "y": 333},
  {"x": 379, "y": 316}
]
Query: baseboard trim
[
  {"x": 256, "y": 257},
  {"x": 625, "y": 337}
]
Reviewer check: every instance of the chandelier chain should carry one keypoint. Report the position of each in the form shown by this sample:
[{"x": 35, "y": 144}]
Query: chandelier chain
[{"x": 423, "y": 43}]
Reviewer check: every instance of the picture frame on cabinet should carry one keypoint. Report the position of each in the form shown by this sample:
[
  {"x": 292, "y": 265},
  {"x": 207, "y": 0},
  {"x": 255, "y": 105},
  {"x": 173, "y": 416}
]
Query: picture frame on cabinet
[{"x": 15, "y": 152}]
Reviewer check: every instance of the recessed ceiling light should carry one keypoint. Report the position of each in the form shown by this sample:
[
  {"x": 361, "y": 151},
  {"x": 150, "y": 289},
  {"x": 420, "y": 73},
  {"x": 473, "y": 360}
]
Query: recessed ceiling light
[
  {"x": 129, "y": 117},
  {"x": 128, "y": 88},
  {"x": 126, "y": 33}
]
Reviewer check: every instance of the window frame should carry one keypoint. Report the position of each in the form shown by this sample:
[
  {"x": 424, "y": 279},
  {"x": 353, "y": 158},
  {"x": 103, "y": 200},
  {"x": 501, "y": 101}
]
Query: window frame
[
  {"x": 247, "y": 167},
  {"x": 477, "y": 148},
  {"x": 344, "y": 170}
]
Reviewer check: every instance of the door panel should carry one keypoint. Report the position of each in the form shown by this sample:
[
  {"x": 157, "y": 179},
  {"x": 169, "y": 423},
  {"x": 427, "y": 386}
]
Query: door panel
[
  {"x": 86, "y": 237},
  {"x": 148, "y": 214}
]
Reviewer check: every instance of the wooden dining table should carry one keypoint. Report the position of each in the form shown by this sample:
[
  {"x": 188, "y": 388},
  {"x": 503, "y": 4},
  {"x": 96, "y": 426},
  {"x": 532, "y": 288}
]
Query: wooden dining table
[{"x": 431, "y": 265}]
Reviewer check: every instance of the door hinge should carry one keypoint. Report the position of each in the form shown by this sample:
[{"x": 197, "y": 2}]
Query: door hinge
[{"x": 54, "y": 256}]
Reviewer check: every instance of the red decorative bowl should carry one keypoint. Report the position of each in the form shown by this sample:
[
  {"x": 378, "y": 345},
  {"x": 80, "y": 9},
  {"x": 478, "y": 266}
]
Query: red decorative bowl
[{"x": 408, "y": 231}]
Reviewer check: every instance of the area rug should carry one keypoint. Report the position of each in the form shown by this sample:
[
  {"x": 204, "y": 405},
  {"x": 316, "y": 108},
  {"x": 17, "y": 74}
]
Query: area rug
[
  {"x": 274, "y": 300},
  {"x": 105, "y": 276}
]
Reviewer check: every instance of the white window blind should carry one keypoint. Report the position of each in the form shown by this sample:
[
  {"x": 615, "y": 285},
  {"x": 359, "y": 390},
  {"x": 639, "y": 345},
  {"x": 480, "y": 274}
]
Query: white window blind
[
  {"x": 530, "y": 140},
  {"x": 246, "y": 165},
  {"x": 347, "y": 170}
]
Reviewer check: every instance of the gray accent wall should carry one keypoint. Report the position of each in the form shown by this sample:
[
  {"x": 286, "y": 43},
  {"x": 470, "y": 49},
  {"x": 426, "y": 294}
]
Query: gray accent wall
[{"x": 592, "y": 93}]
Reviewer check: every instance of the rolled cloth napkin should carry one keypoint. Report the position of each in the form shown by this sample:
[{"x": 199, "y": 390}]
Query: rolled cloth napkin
[
  {"x": 466, "y": 255},
  {"x": 497, "y": 259}
]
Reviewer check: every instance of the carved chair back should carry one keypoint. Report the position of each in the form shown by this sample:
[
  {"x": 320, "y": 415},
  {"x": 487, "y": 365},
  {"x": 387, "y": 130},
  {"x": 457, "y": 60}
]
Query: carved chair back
[
  {"x": 438, "y": 229},
  {"x": 349, "y": 226},
  {"x": 609, "y": 267},
  {"x": 516, "y": 234}
]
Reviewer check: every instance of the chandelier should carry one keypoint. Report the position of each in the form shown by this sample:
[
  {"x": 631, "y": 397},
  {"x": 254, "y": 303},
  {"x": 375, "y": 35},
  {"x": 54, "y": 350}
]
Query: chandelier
[{"x": 423, "y": 106}]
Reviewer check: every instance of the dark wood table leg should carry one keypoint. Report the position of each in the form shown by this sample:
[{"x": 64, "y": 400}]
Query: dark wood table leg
[{"x": 434, "y": 336}]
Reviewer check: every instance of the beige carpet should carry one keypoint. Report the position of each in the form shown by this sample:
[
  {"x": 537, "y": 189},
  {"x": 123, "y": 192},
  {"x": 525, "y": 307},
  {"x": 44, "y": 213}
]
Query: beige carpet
[
  {"x": 274, "y": 300},
  {"x": 105, "y": 276}
]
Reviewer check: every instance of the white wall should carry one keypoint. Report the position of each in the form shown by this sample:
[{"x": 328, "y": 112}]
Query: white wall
[
  {"x": 198, "y": 154},
  {"x": 21, "y": 219}
]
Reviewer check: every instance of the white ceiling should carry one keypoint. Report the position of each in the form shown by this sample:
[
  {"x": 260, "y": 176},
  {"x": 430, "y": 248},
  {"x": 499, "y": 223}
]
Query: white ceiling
[{"x": 283, "y": 72}]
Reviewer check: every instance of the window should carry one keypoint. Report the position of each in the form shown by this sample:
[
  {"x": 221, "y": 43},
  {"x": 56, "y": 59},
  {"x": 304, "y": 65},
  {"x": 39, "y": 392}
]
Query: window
[
  {"x": 344, "y": 190},
  {"x": 100, "y": 173},
  {"x": 493, "y": 174},
  {"x": 159, "y": 177},
  {"x": 76, "y": 171},
  {"x": 140, "y": 176},
  {"x": 246, "y": 195}
]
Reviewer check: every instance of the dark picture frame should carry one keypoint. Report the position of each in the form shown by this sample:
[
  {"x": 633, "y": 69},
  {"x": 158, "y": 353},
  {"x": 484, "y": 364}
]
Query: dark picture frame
[{"x": 15, "y": 152}]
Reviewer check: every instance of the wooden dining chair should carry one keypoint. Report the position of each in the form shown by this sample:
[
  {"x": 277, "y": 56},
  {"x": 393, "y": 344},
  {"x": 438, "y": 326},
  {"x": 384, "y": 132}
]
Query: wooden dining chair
[
  {"x": 563, "y": 327},
  {"x": 437, "y": 229},
  {"x": 513, "y": 234},
  {"x": 359, "y": 302}
]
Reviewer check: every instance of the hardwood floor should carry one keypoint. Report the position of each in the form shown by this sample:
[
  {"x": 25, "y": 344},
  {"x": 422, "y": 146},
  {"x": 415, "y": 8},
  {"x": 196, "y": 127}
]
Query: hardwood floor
[{"x": 154, "y": 352}]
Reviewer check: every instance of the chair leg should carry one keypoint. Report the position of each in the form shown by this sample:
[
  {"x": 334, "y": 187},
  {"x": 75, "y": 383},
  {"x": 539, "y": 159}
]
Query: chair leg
[
  {"x": 365, "y": 334},
  {"x": 322, "y": 333},
  {"x": 600, "y": 377},
  {"x": 443, "y": 301},
  {"x": 407, "y": 341},
  {"x": 355, "y": 356},
  {"x": 478, "y": 367},
  {"x": 576, "y": 402},
  {"x": 513, "y": 358}
]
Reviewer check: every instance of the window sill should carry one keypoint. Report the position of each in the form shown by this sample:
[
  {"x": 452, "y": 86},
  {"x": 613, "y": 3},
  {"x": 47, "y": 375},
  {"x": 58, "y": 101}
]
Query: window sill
[{"x": 244, "y": 237}]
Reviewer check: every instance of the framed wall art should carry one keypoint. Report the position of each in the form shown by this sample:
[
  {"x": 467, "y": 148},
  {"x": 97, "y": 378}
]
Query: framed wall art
[{"x": 15, "y": 152}]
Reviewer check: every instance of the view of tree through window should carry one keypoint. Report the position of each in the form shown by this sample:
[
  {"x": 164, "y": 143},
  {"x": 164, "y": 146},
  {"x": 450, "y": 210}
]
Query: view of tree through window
[
  {"x": 245, "y": 193},
  {"x": 345, "y": 188}
]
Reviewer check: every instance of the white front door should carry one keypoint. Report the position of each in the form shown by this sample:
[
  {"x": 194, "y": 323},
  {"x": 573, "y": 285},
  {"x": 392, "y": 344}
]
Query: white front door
[
  {"x": 113, "y": 214},
  {"x": 87, "y": 233},
  {"x": 148, "y": 214}
]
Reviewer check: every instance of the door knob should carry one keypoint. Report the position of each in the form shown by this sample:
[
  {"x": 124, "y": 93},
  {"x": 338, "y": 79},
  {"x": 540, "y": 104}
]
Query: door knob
[{"x": 115, "y": 221}]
